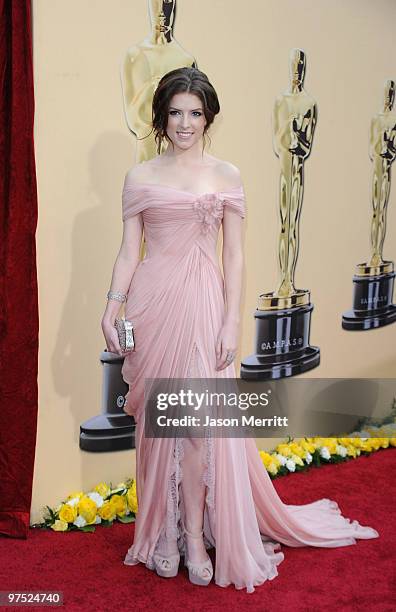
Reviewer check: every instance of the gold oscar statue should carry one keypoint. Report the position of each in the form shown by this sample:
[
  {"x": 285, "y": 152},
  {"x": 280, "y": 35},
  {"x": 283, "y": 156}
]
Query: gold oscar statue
[
  {"x": 373, "y": 281},
  {"x": 144, "y": 64},
  {"x": 294, "y": 121},
  {"x": 382, "y": 154},
  {"x": 283, "y": 316}
]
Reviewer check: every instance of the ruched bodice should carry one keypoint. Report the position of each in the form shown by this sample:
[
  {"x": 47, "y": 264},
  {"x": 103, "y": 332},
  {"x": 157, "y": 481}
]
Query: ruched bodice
[{"x": 174, "y": 217}]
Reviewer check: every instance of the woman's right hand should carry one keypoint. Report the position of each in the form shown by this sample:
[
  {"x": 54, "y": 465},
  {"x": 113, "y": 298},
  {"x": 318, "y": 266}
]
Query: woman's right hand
[{"x": 111, "y": 337}]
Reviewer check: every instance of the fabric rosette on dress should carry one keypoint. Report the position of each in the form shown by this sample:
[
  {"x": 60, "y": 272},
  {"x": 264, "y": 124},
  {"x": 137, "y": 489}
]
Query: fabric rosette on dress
[{"x": 209, "y": 208}]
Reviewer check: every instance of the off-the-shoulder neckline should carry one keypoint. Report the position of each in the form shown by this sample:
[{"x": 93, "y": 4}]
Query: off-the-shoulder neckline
[{"x": 196, "y": 195}]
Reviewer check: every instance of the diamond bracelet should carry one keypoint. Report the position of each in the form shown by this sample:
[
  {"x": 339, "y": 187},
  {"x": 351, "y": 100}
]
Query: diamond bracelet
[{"x": 116, "y": 295}]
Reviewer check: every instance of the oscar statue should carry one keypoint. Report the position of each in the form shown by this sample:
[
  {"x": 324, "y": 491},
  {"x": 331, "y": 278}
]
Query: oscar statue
[
  {"x": 373, "y": 280},
  {"x": 143, "y": 66},
  {"x": 283, "y": 316}
]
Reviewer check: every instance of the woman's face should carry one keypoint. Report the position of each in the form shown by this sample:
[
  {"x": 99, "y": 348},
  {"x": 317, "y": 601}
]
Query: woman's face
[{"x": 186, "y": 120}]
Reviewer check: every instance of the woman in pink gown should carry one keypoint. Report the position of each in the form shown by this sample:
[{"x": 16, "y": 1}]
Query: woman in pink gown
[{"x": 179, "y": 304}]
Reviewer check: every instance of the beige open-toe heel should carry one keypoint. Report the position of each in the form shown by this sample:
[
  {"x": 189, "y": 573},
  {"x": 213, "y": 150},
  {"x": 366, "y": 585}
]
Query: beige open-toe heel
[
  {"x": 167, "y": 567},
  {"x": 198, "y": 573}
]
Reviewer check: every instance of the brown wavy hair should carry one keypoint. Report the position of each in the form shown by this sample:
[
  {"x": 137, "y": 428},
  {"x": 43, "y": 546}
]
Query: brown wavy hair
[{"x": 187, "y": 79}]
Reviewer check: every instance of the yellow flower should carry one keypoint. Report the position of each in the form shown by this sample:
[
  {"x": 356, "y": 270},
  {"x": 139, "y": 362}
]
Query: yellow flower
[
  {"x": 392, "y": 441},
  {"x": 273, "y": 468},
  {"x": 59, "y": 525},
  {"x": 355, "y": 441},
  {"x": 352, "y": 451},
  {"x": 375, "y": 443},
  {"x": 67, "y": 513},
  {"x": 118, "y": 503},
  {"x": 307, "y": 446},
  {"x": 132, "y": 498},
  {"x": 331, "y": 444},
  {"x": 87, "y": 509},
  {"x": 271, "y": 462},
  {"x": 265, "y": 458},
  {"x": 106, "y": 512},
  {"x": 297, "y": 460},
  {"x": 318, "y": 442},
  {"x": 103, "y": 489},
  {"x": 78, "y": 494},
  {"x": 283, "y": 449},
  {"x": 297, "y": 449}
]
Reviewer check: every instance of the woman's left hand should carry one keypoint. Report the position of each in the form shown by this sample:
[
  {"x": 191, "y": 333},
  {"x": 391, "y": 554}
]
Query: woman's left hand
[{"x": 227, "y": 344}]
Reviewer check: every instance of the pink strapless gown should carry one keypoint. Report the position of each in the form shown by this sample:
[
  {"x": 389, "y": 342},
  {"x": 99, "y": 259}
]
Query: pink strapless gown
[{"x": 176, "y": 301}]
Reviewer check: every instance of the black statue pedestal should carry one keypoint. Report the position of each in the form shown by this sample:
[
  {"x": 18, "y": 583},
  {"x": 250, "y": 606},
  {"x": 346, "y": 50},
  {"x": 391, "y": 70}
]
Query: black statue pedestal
[
  {"x": 372, "y": 298},
  {"x": 282, "y": 339},
  {"x": 113, "y": 429}
]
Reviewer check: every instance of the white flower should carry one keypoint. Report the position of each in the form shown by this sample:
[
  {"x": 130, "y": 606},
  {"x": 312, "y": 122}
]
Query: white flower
[
  {"x": 308, "y": 457},
  {"x": 73, "y": 501},
  {"x": 98, "y": 519},
  {"x": 291, "y": 466},
  {"x": 80, "y": 521},
  {"x": 96, "y": 497},
  {"x": 324, "y": 452},
  {"x": 282, "y": 459},
  {"x": 341, "y": 450}
]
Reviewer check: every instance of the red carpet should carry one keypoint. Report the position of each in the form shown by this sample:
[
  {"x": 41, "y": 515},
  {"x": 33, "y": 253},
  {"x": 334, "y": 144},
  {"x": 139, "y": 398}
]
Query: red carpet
[{"x": 88, "y": 567}]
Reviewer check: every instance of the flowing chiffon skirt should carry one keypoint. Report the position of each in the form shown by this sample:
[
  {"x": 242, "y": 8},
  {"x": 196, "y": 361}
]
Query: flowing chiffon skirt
[{"x": 177, "y": 303}]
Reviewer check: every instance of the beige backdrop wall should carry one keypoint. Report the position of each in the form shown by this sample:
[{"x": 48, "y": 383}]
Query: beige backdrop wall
[{"x": 83, "y": 150}]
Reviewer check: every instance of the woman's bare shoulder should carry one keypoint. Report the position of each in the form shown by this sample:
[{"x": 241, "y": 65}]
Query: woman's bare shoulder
[
  {"x": 228, "y": 173},
  {"x": 140, "y": 172}
]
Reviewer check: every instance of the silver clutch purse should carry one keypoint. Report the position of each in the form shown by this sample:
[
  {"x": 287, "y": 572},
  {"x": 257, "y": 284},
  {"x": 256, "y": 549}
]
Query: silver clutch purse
[{"x": 125, "y": 334}]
